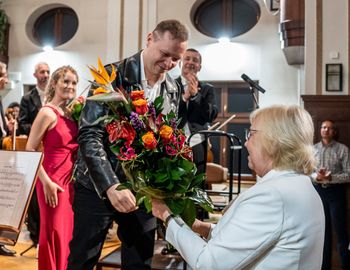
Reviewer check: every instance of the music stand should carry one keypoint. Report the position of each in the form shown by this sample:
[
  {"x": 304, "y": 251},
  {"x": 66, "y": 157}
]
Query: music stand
[{"x": 232, "y": 139}]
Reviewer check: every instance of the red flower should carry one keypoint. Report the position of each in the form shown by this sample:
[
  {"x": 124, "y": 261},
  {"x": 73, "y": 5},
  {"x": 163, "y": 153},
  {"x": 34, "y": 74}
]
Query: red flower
[
  {"x": 140, "y": 106},
  {"x": 170, "y": 150},
  {"x": 149, "y": 141},
  {"x": 81, "y": 100},
  {"x": 121, "y": 130},
  {"x": 137, "y": 94}
]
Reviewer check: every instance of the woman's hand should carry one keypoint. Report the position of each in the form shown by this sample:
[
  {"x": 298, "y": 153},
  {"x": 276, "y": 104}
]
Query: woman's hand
[
  {"x": 201, "y": 227},
  {"x": 160, "y": 209},
  {"x": 50, "y": 191}
]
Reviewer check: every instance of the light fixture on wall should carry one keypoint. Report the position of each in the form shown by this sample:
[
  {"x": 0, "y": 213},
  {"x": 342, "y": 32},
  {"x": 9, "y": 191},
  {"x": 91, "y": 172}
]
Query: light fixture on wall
[
  {"x": 334, "y": 77},
  {"x": 47, "y": 48},
  {"x": 230, "y": 18}
]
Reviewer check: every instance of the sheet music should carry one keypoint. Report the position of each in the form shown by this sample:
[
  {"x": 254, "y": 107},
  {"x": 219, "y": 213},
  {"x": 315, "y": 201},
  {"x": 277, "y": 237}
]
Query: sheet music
[
  {"x": 11, "y": 188},
  {"x": 17, "y": 176}
]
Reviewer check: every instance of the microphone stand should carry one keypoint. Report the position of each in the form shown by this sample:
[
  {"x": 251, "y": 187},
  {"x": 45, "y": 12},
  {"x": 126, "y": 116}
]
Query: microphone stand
[{"x": 251, "y": 88}]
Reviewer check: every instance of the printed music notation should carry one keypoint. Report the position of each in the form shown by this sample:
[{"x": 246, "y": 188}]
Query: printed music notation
[
  {"x": 18, "y": 172},
  {"x": 11, "y": 187}
]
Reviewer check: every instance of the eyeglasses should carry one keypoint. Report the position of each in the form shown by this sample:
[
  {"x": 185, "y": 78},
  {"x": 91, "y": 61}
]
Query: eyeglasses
[
  {"x": 325, "y": 127},
  {"x": 248, "y": 132}
]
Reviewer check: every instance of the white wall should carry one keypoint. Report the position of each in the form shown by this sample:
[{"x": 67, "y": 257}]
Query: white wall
[
  {"x": 256, "y": 53},
  {"x": 335, "y": 39},
  {"x": 88, "y": 43}
]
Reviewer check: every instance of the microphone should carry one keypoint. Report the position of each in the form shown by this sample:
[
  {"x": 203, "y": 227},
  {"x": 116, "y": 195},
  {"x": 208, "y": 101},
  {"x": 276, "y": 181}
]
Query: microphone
[{"x": 252, "y": 83}]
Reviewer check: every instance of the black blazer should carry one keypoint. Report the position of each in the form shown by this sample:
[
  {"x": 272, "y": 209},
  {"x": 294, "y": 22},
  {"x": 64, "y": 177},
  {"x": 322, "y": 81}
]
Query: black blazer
[
  {"x": 202, "y": 109},
  {"x": 29, "y": 108}
]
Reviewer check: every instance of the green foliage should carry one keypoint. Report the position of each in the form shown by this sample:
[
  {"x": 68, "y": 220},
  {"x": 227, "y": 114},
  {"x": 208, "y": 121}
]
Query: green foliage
[
  {"x": 172, "y": 180},
  {"x": 77, "y": 111},
  {"x": 3, "y": 27}
]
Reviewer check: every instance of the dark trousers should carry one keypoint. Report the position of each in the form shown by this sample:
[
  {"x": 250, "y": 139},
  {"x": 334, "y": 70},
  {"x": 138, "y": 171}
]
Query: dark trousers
[
  {"x": 334, "y": 203},
  {"x": 199, "y": 156},
  {"x": 92, "y": 219},
  {"x": 33, "y": 218}
]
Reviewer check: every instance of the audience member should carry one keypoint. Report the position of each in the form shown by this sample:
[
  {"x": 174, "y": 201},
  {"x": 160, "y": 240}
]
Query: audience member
[
  {"x": 97, "y": 202},
  {"x": 333, "y": 173},
  {"x": 32, "y": 101},
  {"x": 277, "y": 223},
  {"x": 58, "y": 132},
  {"x": 3, "y": 132},
  {"x": 200, "y": 101},
  {"x": 29, "y": 108},
  {"x": 11, "y": 113}
]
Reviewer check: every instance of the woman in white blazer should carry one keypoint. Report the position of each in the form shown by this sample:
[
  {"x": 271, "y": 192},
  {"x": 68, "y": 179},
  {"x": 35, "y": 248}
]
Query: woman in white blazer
[{"x": 276, "y": 224}]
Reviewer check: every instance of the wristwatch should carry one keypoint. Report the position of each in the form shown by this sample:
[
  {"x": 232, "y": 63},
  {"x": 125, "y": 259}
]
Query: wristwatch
[{"x": 177, "y": 219}]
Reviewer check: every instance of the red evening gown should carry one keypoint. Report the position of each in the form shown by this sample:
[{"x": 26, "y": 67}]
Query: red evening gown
[{"x": 56, "y": 224}]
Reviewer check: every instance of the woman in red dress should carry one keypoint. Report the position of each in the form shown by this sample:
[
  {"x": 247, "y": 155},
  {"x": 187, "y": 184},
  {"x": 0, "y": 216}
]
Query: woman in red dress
[{"x": 56, "y": 129}]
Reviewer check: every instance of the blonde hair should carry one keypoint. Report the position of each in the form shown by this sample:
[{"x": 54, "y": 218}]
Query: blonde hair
[
  {"x": 56, "y": 75},
  {"x": 287, "y": 133}
]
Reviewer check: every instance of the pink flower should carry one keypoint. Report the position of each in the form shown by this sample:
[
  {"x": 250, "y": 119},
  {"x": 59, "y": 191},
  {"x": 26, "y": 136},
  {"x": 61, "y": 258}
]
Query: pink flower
[{"x": 127, "y": 153}]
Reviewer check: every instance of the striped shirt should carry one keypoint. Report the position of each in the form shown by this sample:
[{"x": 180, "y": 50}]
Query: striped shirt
[{"x": 334, "y": 157}]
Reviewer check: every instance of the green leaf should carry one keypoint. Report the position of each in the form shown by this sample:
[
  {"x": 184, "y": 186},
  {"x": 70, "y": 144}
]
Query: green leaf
[
  {"x": 197, "y": 180},
  {"x": 201, "y": 197},
  {"x": 158, "y": 104},
  {"x": 176, "y": 205},
  {"x": 148, "y": 203},
  {"x": 189, "y": 212},
  {"x": 175, "y": 174},
  {"x": 126, "y": 185},
  {"x": 107, "y": 97}
]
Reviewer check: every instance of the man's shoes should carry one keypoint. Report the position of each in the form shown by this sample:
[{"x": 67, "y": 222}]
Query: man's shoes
[{"x": 6, "y": 252}]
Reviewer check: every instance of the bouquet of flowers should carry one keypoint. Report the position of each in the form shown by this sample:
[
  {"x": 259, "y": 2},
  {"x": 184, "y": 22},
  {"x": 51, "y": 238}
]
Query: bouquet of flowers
[
  {"x": 153, "y": 152},
  {"x": 75, "y": 107}
]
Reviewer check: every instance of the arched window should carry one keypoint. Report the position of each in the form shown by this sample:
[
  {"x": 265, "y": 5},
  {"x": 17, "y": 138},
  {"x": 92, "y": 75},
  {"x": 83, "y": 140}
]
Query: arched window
[{"x": 55, "y": 26}]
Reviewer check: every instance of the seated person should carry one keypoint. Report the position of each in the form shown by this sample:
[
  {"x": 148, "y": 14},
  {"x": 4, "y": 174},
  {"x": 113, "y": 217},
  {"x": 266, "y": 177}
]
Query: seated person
[{"x": 276, "y": 224}]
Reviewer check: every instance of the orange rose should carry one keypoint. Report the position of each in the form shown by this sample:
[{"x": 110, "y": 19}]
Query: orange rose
[
  {"x": 140, "y": 106},
  {"x": 166, "y": 132},
  {"x": 149, "y": 141},
  {"x": 137, "y": 94}
]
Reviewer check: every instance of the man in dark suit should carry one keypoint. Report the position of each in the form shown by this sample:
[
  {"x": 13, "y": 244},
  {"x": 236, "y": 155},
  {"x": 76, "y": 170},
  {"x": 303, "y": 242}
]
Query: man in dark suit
[
  {"x": 3, "y": 132},
  {"x": 200, "y": 99},
  {"x": 29, "y": 108},
  {"x": 32, "y": 101}
]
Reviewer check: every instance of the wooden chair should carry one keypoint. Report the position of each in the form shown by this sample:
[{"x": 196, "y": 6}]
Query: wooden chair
[
  {"x": 20, "y": 144},
  {"x": 215, "y": 174}
]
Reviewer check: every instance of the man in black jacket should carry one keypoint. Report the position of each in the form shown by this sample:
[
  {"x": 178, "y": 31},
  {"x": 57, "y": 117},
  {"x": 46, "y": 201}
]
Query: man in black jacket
[
  {"x": 29, "y": 107},
  {"x": 33, "y": 100},
  {"x": 3, "y": 132},
  {"x": 97, "y": 202},
  {"x": 200, "y": 101}
]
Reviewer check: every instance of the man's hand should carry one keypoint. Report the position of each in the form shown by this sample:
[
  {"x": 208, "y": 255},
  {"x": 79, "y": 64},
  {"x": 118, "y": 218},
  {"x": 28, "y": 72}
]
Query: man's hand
[
  {"x": 192, "y": 84},
  {"x": 323, "y": 175},
  {"x": 122, "y": 200}
]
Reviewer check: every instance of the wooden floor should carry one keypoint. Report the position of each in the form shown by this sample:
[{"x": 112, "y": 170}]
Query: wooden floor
[{"x": 29, "y": 261}]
